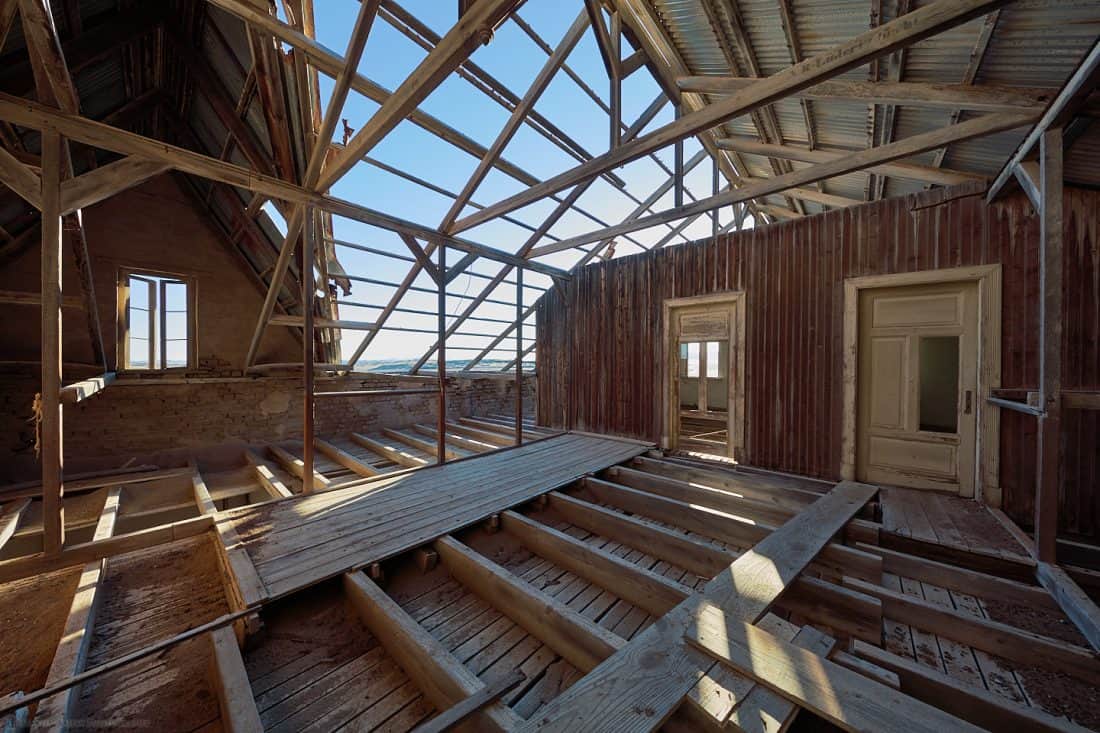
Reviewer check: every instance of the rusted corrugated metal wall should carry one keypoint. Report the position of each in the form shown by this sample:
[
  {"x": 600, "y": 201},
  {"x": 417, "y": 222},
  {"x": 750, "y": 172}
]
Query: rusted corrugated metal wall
[{"x": 599, "y": 341}]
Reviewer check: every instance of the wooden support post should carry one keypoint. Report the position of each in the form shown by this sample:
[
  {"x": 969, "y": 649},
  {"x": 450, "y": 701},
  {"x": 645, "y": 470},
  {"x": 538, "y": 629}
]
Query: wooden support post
[
  {"x": 49, "y": 428},
  {"x": 308, "y": 288},
  {"x": 519, "y": 356},
  {"x": 1050, "y": 346},
  {"x": 714, "y": 183},
  {"x": 616, "y": 95},
  {"x": 441, "y": 356},
  {"x": 678, "y": 167}
]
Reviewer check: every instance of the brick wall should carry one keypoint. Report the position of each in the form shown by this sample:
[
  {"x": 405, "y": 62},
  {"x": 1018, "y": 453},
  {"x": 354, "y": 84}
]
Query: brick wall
[
  {"x": 154, "y": 227},
  {"x": 151, "y": 417}
]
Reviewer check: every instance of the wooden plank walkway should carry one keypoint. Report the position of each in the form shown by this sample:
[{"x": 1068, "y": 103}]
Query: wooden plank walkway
[{"x": 306, "y": 539}]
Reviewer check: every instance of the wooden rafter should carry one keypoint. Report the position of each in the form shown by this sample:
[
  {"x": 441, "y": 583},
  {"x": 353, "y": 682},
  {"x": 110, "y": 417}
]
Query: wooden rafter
[
  {"x": 976, "y": 127},
  {"x": 909, "y": 171},
  {"x": 922, "y": 23},
  {"x": 538, "y": 86},
  {"x": 977, "y": 55},
  {"x": 729, "y": 29},
  {"x": 984, "y": 98}
]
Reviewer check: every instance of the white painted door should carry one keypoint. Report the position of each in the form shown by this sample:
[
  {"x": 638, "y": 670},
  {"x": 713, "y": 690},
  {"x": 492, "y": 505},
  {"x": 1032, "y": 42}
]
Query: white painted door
[{"x": 917, "y": 374}]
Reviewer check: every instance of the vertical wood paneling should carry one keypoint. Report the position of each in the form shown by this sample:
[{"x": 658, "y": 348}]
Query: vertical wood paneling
[{"x": 600, "y": 338}]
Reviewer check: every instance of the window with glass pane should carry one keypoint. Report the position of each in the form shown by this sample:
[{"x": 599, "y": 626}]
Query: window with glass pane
[
  {"x": 693, "y": 359},
  {"x": 157, "y": 322},
  {"x": 714, "y": 358}
]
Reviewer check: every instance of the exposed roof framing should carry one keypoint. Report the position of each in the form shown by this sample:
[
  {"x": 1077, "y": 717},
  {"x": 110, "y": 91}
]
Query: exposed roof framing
[{"x": 231, "y": 99}]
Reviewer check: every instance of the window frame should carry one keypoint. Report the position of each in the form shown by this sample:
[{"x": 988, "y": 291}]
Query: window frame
[{"x": 157, "y": 324}]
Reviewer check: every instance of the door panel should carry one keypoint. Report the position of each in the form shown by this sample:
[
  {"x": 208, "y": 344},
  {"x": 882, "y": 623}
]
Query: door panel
[
  {"x": 889, "y": 381},
  {"x": 918, "y": 364}
]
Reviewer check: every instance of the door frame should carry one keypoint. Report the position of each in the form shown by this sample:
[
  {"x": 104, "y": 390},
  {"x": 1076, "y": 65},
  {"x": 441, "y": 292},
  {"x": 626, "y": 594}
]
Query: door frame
[
  {"x": 735, "y": 418},
  {"x": 987, "y": 487}
]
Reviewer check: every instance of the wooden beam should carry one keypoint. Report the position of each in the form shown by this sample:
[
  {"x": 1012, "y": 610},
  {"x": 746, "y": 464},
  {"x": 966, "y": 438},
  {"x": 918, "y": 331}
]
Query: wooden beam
[
  {"x": 198, "y": 487},
  {"x": 19, "y": 297},
  {"x": 275, "y": 488},
  {"x": 922, "y": 23},
  {"x": 777, "y": 491},
  {"x": 603, "y": 38},
  {"x": 441, "y": 356},
  {"x": 456, "y": 714},
  {"x": 615, "y": 697},
  {"x": 1048, "y": 483},
  {"x": 842, "y": 697},
  {"x": 20, "y": 179},
  {"x": 85, "y": 388},
  {"x": 519, "y": 113},
  {"x": 421, "y": 257},
  {"x": 51, "y": 454},
  {"x": 76, "y": 639},
  {"x": 356, "y": 44},
  {"x": 578, "y": 640},
  {"x": 26, "y": 113},
  {"x": 651, "y": 592},
  {"x": 106, "y": 181},
  {"x": 345, "y": 459},
  {"x": 485, "y": 436},
  {"x": 1028, "y": 175},
  {"x": 309, "y": 349},
  {"x": 390, "y": 452},
  {"x": 430, "y": 447},
  {"x": 10, "y": 514},
  {"x": 289, "y": 462},
  {"x": 471, "y": 30},
  {"x": 444, "y": 680},
  {"x": 978, "y": 127},
  {"x": 1020, "y": 568},
  {"x": 982, "y": 98},
  {"x": 235, "y": 698},
  {"x": 41, "y": 35},
  {"x": 300, "y": 322},
  {"x": 332, "y": 64},
  {"x": 86, "y": 552},
  {"x": 763, "y": 710},
  {"x": 857, "y": 615},
  {"x": 971, "y": 703},
  {"x": 1080, "y": 609},
  {"x": 838, "y": 560},
  {"x": 1071, "y": 97},
  {"x": 1003, "y": 640},
  {"x": 96, "y": 480},
  {"x": 908, "y": 171},
  {"x": 961, "y": 580}
]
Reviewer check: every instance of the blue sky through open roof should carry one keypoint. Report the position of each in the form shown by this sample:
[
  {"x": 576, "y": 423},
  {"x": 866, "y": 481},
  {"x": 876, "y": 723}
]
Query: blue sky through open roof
[{"x": 514, "y": 59}]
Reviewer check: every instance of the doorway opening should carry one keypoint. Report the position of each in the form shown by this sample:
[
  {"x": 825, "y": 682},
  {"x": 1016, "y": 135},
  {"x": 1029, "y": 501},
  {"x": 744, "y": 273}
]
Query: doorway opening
[{"x": 705, "y": 385}]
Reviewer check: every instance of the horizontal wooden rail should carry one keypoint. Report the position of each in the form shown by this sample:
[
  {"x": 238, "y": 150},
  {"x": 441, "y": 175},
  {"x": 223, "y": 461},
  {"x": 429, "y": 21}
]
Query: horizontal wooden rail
[
  {"x": 82, "y": 390},
  {"x": 279, "y": 320},
  {"x": 378, "y": 392}
]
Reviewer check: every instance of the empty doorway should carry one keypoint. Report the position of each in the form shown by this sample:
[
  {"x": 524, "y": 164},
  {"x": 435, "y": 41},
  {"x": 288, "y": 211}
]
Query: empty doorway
[{"x": 705, "y": 368}]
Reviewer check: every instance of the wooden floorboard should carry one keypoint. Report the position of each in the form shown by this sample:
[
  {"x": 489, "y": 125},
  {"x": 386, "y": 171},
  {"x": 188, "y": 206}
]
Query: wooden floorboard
[{"x": 300, "y": 541}]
